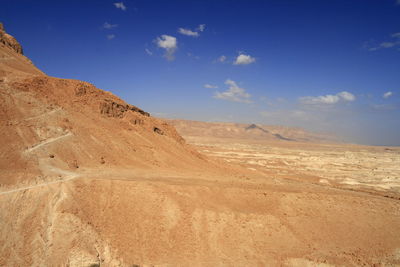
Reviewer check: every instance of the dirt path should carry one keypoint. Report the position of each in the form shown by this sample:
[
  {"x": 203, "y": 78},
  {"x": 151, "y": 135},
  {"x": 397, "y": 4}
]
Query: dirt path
[
  {"x": 68, "y": 177},
  {"x": 44, "y": 114},
  {"x": 48, "y": 141},
  {"x": 35, "y": 186}
]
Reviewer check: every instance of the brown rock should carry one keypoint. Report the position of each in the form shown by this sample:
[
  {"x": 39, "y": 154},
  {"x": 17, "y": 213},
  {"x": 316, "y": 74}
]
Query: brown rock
[
  {"x": 158, "y": 130},
  {"x": 9, "y": 41},
  {"x": 117, "y": 110}
]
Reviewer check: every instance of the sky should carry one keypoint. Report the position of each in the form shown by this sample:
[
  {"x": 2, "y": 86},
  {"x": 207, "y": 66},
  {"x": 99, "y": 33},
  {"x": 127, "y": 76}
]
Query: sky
[{"x": 328, "y": 66}]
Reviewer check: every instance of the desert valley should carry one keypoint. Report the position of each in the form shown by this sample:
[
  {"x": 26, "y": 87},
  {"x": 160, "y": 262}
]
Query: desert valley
[{"x": 87, "y": 179}]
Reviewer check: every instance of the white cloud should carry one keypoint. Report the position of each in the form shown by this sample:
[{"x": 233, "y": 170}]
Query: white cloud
[
  {"x": 109, "y": 26},
  {"x": 202, "y": 27},
  {"x": 234, "y": 93},
  {"x": 328, "y": 99},
  {"x": 221, "y": 59},
  {"x": 210, "y": 86},
  {"x": 169, "y": 43},
  {"x": 188, "y": 32},
  {"x": 398, "y": 2},
  {"x": 373, "y": 48},
  {"x": 120, "y": 5},
  {"x": 346, "y": 96},
  {"x": 387, "y": 94},
  {"x": 243, "y": 59},
  {"x": 388, "y": 44},
  {"x": 110, "y": 36},
  {"x": 148, "y": 52}
]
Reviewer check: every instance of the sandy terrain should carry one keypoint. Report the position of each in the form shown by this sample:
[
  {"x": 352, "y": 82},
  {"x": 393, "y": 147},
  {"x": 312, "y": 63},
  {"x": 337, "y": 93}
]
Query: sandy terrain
[
  {"x": 89, "y": 180},
  {"x": 362, "y": 168}
]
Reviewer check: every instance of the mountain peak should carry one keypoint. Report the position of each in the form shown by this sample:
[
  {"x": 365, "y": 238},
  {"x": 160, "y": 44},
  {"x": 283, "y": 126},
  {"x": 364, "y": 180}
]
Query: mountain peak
[
  {"x": 252, "y": 126},
  {"x": 256, "y": 127},
  {"x": 9, "y": 41}
]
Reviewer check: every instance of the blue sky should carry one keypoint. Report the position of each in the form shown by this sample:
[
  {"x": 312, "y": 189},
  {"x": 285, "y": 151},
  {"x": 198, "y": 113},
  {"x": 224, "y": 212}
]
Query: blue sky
[{"x": 330, "y": 66}]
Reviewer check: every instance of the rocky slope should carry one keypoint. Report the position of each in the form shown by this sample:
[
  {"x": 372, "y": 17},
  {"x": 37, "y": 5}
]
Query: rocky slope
[{"x": 77, "y": 123}]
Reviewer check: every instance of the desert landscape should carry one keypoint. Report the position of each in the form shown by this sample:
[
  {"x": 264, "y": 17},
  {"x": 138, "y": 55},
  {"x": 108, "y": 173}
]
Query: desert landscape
[
  {"x": 304, "y": 156},
  {"x": 87, "y": 179}
]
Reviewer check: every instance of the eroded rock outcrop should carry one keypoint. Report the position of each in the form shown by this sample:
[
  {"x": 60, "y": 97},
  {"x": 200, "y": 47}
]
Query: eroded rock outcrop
[
  {"x": 9, "y": 41},
  {"x": 113, "y": 109}
]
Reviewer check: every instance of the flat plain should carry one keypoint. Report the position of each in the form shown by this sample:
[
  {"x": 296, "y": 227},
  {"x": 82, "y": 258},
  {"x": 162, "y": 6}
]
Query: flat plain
[{"x": 355, "y": 167}]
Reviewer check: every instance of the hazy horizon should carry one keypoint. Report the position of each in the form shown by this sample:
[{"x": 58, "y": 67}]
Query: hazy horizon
[{"x": 328, "y": 66}]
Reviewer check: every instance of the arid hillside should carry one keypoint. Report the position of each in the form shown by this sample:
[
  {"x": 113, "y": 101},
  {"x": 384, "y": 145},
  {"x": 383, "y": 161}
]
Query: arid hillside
[
  {"x": 87, "y": 179},
  {"x": 50, "y": 123}
]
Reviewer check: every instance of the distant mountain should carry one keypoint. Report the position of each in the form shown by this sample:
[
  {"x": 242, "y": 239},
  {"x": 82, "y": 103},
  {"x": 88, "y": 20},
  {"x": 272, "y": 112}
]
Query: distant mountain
[
  {"x": 248, "y": 131},
  {"x": 255, "y": 127}
]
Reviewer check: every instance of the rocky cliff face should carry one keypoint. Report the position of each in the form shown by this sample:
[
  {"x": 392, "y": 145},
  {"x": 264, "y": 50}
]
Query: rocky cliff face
[{"x": 9, "y": 41}]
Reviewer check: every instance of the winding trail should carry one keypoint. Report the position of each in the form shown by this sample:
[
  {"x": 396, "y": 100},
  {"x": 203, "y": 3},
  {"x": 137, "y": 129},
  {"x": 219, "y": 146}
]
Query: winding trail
[
  {"x": 43, "y": 114},
  {"x": 67, "y": 174},
  {"x": 38, "y": 185},
  {"x": 47, "y": 141}
]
